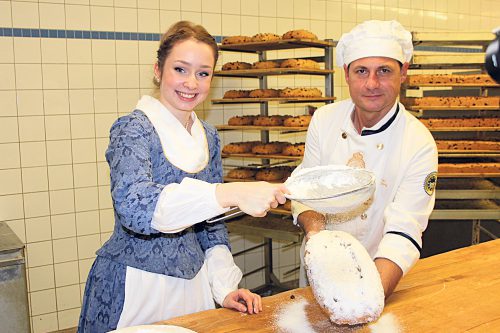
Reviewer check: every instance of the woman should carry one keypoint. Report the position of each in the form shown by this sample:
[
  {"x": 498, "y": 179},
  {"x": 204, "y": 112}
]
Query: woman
[{"x": 163, "y": 260}]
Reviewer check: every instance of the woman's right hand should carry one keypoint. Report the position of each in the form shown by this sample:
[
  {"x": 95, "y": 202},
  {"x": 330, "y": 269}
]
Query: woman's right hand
[{"x": 253, "y": 198}]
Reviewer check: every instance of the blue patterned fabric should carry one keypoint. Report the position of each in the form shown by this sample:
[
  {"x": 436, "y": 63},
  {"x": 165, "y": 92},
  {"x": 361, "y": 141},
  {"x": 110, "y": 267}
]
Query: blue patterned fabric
[{"x": 139, "y": 172}]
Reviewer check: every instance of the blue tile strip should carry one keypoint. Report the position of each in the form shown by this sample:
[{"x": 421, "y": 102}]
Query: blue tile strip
[{"x": 141, "y": 36}]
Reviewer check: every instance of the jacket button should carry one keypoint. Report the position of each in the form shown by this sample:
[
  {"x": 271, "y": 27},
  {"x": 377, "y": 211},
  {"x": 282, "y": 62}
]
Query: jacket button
[
  {"x": 364, "y": 216},
  {"x": 380, "y": 146},
  {"x": 344, "y": 135}
]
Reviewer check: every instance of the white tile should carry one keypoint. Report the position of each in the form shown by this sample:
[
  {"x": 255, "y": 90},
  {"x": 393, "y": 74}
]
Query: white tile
[
  {"x": 146, "y": 77},
  {"x": 68, "y": 297},
  {"x": 60, "y": 177},
  {"x": 5, "y": 14},
  {"x": 39, "y": 253},
  {"x": 148, "y": 20},
  {"x": 230, "y": 7},
  {"x": 192, "y": 5},
  {"x": 126, "y": 19},
  {"x": 127, "y": 51},
  {"x": 106, "y": 220},
  {"x": 36, "y": 204},
  {"x": 58, "y": 127},
  {"x": 33, "y": 154},
  {"x": 31, "y": 128},
  {"x": 11, "y": 207},
  {"x": 55, "y": 102},
  {"x": 66, "y": 273},
  {"x": 102, "y": 18},
  {"x": 212, "y": 22},
  {"x": 105, "y": 236},
  {"x": 104, "y": 76},
  {"x": 103, "y": 51},
  {"x": 105, "y": 101},
  {"x": 43, "y": 302},
  {"x": 59, "y": 152},
  {"x": 25, "y": 14},
  {"x": 79, "y": 51},
  {"x": 85, "y": 175},
  {"x": 11, "y": 181},
  {"x": 88, "y": 245},
  {"x": 62, "y": 202},
  {"x": 127, "y": 100},
  {"x": 80, "y": 76},
  {"x": 101, "y": 146},
  {"x": 8, "y": 105},
  {"x": 105, "y": 200},
  {"x": 127, "y": 76},
  {"x": 30, "y": 102},
  {"x": 34, "y": 179},
  {"x": 38, "y": 229},
  {"x": 8, "y": 130},
  {"x": 86, "y": 199},
  {"x": 65, "y": 249},
  {"x": 54, "y": 50},
  {"x": 27, "y": 50},
  {"x": 103, "y": 177},
  {"x": 45, "y": 323},
  {"x": 87, "y": 223},
  {"x": 194, "y": 17},
  {"x": 230, "y": 25},
  {"x": 7, "y": 72},
  {"x": 151, "y": 4},
  {"x": 55, "y": 76},
  {"x": 63, "y": 226},
  {"x": 214, "y": 6},
  {"x": 51, "y": 16},
  {"x": 167, "y": 18},
  {"x": 84, "y": 150},
  {"x": 41, "y": 278},
  {"x": 85, "y": 265},
  {"x": 77, "y": 17},
  {"x": 82, "y": 126},
  {"x": 103, "y": 124},
  {"x": 81, "y": 101},
  {"x": 170, "y": 5},
  {"x": 68, "y": 318},
  {"x": 28, "y": 76}
]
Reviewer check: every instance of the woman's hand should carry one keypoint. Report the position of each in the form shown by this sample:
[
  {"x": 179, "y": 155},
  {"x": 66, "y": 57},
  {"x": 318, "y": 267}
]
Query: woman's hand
[
  {"x": 253, "y": 198},
  {"x": 243, "y": 300}
]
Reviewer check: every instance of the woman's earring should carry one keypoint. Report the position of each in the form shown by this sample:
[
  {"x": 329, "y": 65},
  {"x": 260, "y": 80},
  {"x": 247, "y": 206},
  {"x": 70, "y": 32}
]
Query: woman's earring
[{"x": 157, "y": 80}]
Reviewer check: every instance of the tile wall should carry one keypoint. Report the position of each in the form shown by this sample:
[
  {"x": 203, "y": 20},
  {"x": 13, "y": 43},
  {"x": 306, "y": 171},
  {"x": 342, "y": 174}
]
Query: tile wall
[{"x": 69, "y": 68}]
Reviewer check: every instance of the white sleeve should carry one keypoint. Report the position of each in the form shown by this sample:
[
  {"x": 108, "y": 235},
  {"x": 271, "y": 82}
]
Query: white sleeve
[
  {"x": 223, "y": 274},
  {"x": 182, "y": 205},
  {"x": 407, "y": 216}
]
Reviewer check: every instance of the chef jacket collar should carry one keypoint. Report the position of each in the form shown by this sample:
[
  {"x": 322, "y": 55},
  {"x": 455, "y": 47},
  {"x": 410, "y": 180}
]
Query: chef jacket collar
[{"x": 387, "y": 121}]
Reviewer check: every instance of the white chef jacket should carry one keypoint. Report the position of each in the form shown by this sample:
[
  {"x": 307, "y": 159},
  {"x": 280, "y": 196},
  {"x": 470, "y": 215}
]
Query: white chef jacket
[
  {"x": 403, "y": 156},
  {"x": 151, "y": 297}
]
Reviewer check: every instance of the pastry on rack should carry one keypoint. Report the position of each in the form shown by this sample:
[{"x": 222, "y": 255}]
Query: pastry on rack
[
  {"x": 263, "y": 93},
  {"x": 265, "y": 37},
  {"x": 270, "y": 148},
  {"x": 300, "y": 92},
  {"x": 266, "y": 64},
  {"x": 241, "y": 120},
  {"x": 241, "y": 173},
  {"x": 483, "y": 167},
  {"x": 299, "y": 34},
  {"x": 465, "y": 101},
  {"x": 270, "y": 174},
  {"x": 298, "y": 121},
  {"x": 236, "y": 65},
  {"x": 467, "y": 145},
  {"x": 236, "y": 40},
  {"x": 294, "y": 149},
  {"x": 460, "y": 122},
  {"x": 269, "y": 120},
  {"x": 236, "y": 94},
  {"x": 239, "y": 147},
  {"x": 300, "y": 63}
]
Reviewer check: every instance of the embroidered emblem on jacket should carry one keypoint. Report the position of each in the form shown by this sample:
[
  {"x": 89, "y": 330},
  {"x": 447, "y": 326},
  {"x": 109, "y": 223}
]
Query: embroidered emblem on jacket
[{"x": 430, "y": 183}]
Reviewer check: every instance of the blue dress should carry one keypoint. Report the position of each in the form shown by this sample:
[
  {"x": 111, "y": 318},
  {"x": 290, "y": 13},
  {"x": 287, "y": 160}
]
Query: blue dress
[{"x": 139, "y": 172}]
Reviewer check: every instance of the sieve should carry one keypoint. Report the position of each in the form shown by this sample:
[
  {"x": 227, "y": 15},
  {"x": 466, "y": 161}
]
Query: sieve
[{"x": 331, "y": 189}]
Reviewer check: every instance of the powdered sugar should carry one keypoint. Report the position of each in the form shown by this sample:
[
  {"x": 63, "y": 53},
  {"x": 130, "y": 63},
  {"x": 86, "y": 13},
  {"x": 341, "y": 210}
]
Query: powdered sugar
[
  {"x": 292, "y": 317},
  {"x": 344, "y": 278},
  {"x": 387, "y": 323}
]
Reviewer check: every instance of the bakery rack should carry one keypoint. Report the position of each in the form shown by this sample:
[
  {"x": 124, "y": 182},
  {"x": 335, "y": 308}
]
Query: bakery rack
[
  {"x": 276, "y": 225},
  {"x": 473, "y": 196}
]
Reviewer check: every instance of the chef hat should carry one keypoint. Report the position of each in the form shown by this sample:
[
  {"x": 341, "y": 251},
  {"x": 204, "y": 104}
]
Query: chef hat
[{"x": 375, "y": 39}]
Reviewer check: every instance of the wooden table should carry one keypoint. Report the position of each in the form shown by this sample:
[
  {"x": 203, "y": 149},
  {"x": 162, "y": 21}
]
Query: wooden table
[{"x": 457, "y": 291}]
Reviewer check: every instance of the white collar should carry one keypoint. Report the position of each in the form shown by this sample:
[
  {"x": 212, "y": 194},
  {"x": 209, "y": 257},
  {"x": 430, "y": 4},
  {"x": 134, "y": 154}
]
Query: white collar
[{"x": 188, "y": 152}]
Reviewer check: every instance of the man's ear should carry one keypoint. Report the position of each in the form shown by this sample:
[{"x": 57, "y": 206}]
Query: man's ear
[
  {"x": 404, "y": 71},
  {"x": 346, "y": 73}
]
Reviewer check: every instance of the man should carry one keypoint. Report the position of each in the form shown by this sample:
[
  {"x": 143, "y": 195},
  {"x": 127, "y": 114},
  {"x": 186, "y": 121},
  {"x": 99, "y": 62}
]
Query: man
[{"x": 373, "y": 130}]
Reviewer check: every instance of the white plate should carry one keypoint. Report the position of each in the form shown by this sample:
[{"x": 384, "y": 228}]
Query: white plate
[{"x": 153, "y": 329}]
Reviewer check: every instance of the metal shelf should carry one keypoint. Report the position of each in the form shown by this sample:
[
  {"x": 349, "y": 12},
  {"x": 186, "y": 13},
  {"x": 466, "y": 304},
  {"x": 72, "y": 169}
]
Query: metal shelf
[
  {"x": 272, "y": 99},
  {"x": 255, "y": 73}
]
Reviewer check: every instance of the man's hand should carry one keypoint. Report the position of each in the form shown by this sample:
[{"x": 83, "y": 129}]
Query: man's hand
[
  {"x": 311, "y": 222},
  {"x": 243, "y": 300}
]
